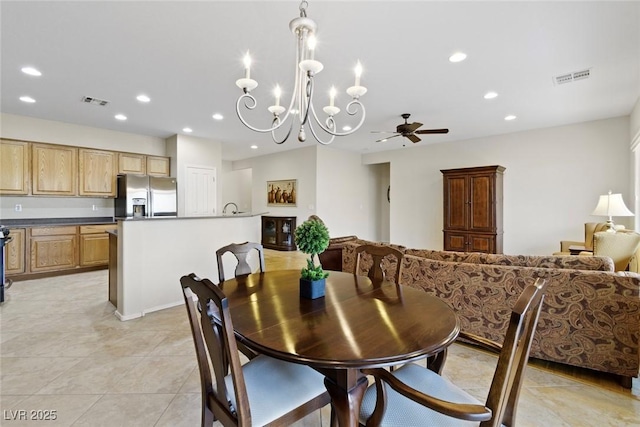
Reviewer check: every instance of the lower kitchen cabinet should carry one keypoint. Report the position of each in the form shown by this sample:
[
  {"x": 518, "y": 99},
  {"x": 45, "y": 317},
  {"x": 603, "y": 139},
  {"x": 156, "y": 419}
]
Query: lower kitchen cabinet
[
  {"x": 53, "y": 248},
  {"x": 14, "y": 261},
  {"x": 94, "y": 245},
  {"x": 42, "y": 251}
]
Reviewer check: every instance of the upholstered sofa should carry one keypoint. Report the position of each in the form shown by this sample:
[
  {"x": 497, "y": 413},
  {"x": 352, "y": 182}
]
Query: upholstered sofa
[{"x": 591, "y": 314}]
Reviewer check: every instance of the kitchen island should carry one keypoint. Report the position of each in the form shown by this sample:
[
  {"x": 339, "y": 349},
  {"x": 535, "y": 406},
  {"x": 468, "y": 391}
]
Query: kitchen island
[{"x": 154, "y": 253}]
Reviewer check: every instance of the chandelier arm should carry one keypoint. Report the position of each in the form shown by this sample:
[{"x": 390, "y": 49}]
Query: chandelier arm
[
  {"x": 273, "y": 132},
  {"x": 315, "y": 135},
  {"x": 308, "y": 98},
  {"x": 352, "y": 109},
  {"x": 251, "y": 106}
]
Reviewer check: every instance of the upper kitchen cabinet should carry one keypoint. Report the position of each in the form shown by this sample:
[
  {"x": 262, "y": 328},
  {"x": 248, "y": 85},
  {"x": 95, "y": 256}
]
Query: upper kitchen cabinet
[
  {"x": 14, "y": 167},
  {"x": 132, "y": 163},
  {"x": 54, "y": 170},
  {"x": 97, "y": 173},
  {"x": 158, "y": 166}
]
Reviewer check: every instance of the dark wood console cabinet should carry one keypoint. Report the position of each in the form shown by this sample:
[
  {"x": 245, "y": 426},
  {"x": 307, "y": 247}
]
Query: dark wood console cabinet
[
  {"x": 277, "y": 232},
  {"x": 473, "y": 209}
]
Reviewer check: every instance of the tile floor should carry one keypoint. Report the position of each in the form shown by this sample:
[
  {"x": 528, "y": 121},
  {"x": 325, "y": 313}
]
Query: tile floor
[{"x": 63, "y": 350}]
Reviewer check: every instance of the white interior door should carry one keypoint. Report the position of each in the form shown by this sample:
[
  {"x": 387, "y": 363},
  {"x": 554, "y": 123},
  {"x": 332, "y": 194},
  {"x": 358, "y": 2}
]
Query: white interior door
[{"x": 201, "y": 191}]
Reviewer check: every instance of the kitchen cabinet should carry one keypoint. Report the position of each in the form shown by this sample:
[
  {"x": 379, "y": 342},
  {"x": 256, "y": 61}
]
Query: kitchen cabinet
[
  {"x": 132, "y": 163},
  {"x": 14, "y": 167},
  {"x": 158, "y": 166},
  {"x": 277, "y": 232},
  {"x": 94, "y": 244},
  {"x": 14, "y": 261},
  {"x": 54, "y": 170},
  {"x": 53, "y": 248},
  {"x": 473, "y": 209},
  {"x": 97, "y": 173}
]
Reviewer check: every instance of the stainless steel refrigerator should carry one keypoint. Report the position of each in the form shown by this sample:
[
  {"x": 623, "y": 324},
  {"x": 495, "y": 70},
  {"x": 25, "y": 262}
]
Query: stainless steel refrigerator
[{"x": 143, "y": 196}]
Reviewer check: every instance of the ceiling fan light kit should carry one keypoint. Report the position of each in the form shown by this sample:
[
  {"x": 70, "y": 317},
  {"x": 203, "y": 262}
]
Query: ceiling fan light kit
[{"x": 301, "y": 104}]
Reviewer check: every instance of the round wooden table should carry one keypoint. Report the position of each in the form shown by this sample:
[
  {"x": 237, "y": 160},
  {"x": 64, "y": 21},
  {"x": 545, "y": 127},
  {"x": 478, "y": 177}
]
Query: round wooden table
[{"x": 355, "y": 325}]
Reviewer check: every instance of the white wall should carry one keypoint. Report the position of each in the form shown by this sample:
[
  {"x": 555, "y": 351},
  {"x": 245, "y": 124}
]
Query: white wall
[
  {"x": 297, "y": 164},
  {"x": 193, "y": 151},
  {"x": 236, "y": 186},
  {"x": 346, "y": 194},
  {"x": 552, "y": 182},
  {"x": 47, "y": 131}
]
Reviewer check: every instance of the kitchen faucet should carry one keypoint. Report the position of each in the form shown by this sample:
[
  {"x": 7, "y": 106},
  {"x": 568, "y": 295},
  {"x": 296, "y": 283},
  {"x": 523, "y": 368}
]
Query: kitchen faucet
[{"x": 224, "y": 210}]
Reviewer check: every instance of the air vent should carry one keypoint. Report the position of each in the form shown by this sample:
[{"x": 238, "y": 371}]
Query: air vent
[
  {"x": 571, "y": 77},
  {"x": 94, "y": 101}
]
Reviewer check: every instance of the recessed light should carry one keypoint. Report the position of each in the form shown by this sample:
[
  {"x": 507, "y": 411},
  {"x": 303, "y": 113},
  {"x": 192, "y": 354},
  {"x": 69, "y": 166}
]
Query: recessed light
[
  {"x": 458, "y": 57},
  {"x": 187, "y": 130},
  {"x": 28, "y": 99},
  {"x": 120, "y": 117},
  {"x": 143, "y": 98},
  {"x": 510, "y": 117},
  {"x": 218, "y": 116},
  {"x": 346, "y": 128},
  {"x": 31, "y": 71},
  {"x": 254, "y": 147},
  {"x": 490, "y": 95}
]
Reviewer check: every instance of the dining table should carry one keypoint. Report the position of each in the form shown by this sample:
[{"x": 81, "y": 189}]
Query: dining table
[{"x": 357, "y": 324}]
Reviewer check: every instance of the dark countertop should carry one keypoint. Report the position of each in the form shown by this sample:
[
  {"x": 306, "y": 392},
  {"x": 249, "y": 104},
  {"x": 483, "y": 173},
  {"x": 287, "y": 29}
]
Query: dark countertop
[{"x": 38, "y": 222}]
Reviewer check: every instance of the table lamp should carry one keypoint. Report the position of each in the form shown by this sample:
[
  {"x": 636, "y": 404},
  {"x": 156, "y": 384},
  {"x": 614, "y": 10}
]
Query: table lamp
[{"x": 611, "y": 205}]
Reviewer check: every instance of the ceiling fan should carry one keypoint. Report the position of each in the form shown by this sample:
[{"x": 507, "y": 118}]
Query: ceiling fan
[{"x": 409, "y": 130}]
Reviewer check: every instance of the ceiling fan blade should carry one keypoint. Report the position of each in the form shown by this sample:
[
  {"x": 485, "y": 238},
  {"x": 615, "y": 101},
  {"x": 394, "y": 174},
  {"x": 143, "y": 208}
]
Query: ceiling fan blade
[
  {"x": 384, "y": 139},
  {"x": 413, "y": 138},
  {"x": 382, "y": 131},
  {"x": 432, "y": 131},
  {"x": 408, "y": 127}
]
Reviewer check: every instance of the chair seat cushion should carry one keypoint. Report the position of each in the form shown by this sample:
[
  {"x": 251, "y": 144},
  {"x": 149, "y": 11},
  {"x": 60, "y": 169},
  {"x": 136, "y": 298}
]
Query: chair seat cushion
[
  {"x": 403, "y": 412},
  {"x": 275, "y": 387}
]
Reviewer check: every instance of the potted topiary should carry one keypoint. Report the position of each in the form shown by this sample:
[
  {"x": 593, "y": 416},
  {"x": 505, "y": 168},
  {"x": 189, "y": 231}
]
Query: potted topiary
[{"x": 312, "y": 237}]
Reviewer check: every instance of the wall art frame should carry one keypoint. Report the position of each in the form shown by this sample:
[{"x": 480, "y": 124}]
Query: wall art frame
[{"x": 282, "y": 193}]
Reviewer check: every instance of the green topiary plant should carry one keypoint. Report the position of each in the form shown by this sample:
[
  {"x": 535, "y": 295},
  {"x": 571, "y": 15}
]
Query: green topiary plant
[{"x": 312, "y": 237}]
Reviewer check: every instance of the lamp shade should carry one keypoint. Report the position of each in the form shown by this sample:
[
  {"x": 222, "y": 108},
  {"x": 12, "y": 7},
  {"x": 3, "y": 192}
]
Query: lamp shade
[{"x": 611, "y": 205}]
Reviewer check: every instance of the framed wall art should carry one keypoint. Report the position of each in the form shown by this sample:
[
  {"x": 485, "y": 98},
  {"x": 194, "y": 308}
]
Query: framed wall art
[{"x": 282, "y": 193}]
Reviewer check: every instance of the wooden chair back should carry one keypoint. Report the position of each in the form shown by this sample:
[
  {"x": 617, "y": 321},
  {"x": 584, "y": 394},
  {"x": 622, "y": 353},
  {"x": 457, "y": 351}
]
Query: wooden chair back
[
  {"x": 213, "y": 334},
  {"x": 501, "y": 403},
  {"x": 378, "y": 254},
  {"x": 241, "y": 252},
  {"x": 514, "y": 355}
]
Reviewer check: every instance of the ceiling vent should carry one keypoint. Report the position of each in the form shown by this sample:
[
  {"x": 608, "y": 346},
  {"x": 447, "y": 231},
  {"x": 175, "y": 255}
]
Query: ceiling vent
[
  {"x": 94, "y": 101},
  {"x": 572, "y": 77}
]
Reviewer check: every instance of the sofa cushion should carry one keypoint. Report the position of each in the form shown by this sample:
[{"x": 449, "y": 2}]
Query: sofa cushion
[{"x": 573, "y": 262}]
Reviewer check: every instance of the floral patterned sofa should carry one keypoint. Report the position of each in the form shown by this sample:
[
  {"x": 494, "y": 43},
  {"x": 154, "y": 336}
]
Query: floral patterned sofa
[{"x": 590, "y": 318}]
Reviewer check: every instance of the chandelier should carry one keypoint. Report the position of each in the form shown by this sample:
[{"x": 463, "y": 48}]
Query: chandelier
[{"x": 301, "y": 104}]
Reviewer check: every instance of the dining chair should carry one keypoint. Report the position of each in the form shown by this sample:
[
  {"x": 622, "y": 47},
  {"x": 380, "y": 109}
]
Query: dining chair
[
  {"x": 263, "y": 391},
  {"x": 415, "y": 396},
  {"x": 378, "y": 254},
  {"x": 241, "y": 251}
]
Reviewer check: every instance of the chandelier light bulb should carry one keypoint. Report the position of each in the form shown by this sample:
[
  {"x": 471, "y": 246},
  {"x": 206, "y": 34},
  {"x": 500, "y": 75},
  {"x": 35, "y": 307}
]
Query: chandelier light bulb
[
  {"x": 247, "y": 66},
  {"x": 278, "y": 93},
  {"x": 332, "y": 96},
  {"x": 311, "y": 44},
  {"x": 358, "y": 72}
]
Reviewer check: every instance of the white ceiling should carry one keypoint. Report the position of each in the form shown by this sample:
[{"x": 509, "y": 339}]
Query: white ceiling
[{"x": 186, "y": 56}]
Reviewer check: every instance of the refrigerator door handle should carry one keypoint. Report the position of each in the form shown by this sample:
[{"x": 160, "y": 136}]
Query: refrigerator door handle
[{"x": 150, "y": 198}]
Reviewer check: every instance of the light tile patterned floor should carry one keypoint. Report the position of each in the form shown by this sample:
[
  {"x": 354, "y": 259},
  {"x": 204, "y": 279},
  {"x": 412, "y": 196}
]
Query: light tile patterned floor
[{"x": 63, "y": 350}]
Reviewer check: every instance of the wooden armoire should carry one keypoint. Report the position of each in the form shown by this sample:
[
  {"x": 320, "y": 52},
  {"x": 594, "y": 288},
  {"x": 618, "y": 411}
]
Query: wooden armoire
[{"x": 473, "y": 209}]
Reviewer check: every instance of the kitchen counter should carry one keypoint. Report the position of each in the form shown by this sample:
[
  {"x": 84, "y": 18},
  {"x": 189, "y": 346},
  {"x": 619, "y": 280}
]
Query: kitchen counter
[
  {"x": 240, "y": 215},
  {"x": 152, "y": 255},
  {"x": 40, "y": 222}
]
